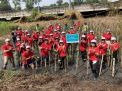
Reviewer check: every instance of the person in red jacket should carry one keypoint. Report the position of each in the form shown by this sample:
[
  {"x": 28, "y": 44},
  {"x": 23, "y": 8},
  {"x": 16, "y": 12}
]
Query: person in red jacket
[
  {"x": 8, "y": 50},
  {"x": 56, "y": 34},
  {"x": 90, "y": 36},
  {"x": 103, "y": 46},
  {"x": 35, "y": 37},
  {"x": 29, "y": 40},
  {"x": 56, "y": 43},
  {"x": 72, "y": 31},
  {"x": 63, "y": 37},
  {"x": 107, "y": 36},
  {"x": 27, "y": 58},
  {"x": 114, "y": 47},
  {"x": 93, "y": 53},
  {"x": 62, "y": 54},
  {"x": 44, "y": 51},
  {"x": 83, "y": 47}
]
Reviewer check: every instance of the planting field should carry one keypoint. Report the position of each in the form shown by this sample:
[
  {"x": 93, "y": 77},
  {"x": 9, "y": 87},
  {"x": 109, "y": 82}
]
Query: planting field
[{"x": 47, "y": 79}]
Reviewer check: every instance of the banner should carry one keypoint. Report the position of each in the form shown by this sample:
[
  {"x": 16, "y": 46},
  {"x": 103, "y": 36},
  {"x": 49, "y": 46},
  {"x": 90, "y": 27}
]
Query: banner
[{"x": 72, "y": 38}]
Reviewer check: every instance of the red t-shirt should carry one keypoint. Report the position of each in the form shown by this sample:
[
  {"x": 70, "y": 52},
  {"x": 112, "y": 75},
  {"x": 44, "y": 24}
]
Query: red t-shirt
[
  {"x": 92, "y": 53},
  {"x": 35, "y": 36},
  {"x": 102, "y": 48},
  {"x": 30, "y": 41},
  {"x": 107, "y": 36},
  {"x": 90, "y": 37},
  {"x": 24, "y": 38},
  {"x": 62, "y": 51},
  {"x": 26, "y": 54},
  {"x": 45, "y": 49},
  {"x": 83, "y": 45},
  {"x": 114, "y": 46},
  {"x": 7, "y": 47}
]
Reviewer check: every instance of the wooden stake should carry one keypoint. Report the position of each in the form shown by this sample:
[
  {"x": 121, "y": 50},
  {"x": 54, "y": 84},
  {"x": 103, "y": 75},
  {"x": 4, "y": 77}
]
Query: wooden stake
[
  {"x": 55, "y": 63},
  {"x": 101, "y": 64},
  {"x": 113, "y": 68}
]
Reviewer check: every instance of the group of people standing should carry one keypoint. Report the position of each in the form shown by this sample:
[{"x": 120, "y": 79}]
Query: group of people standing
[{"x": 53, "y": 38}]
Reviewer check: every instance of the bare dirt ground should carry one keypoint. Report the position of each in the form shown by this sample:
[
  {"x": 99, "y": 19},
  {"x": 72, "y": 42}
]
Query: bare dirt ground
[{"x": 49, "y": 80}]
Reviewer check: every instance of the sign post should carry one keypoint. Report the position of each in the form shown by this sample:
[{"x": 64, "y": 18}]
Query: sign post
[{"x": 74, "y": 38}]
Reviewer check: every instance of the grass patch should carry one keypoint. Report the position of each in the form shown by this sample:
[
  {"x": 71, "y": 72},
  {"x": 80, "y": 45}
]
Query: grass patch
[{"x": 7, "y": 27}]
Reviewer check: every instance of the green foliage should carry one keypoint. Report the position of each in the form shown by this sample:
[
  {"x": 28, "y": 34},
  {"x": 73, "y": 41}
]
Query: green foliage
[
  {"x": 59, "y": 2},
  {"x": 34, "y": 12},
  {"x": 4, "y": 5},
  {"x": 30, "y": 3},
  {"x": 17, "y": 5},
  {"x": 7, "y": 27}
]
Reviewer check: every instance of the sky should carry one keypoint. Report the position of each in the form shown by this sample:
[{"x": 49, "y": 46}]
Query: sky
[{"x": 42, "y": 3}]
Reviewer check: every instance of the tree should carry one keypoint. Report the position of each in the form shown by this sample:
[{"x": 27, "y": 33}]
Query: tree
[
  {"x": 59, "y": 2},
  {"x": 30, "y": 3},
  {"x": 66, "y": 4},
  {"x": 17, "y": 5},
  {"x": 5, "y": 5}
]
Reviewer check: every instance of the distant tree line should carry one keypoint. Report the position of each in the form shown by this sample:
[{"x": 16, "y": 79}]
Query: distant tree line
[{"x": 30, "y": 4}]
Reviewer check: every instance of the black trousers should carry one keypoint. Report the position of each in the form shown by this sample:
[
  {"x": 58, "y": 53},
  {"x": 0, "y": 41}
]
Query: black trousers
[
  {"x": 83, "y": 55},
  {"x": 115, "y": 55},
  {"x": 61, "y": 63},
  {"x": 95, "y": 68}
]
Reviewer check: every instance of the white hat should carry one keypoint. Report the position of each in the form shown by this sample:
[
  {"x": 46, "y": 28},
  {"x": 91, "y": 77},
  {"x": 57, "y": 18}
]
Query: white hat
[
  {"x": 93, "y": 41},
  {"x": 113, "y": 38},
  {"x": 40, "y": 37},
  {"x": 83, "y": 36},
  {"x": 6, "y": 40},
  {"x": 61, "y": 41},
  {"x": 63, "y": 32},
  {"x": 28, "y": 47},
  {"x": 18, "y": 39},
  {"x": 91, "y": 31},
  {"x": 71, "y": 27},
  {"x": 55, "y": 30},
  {"x": 28, "y": 34},
  {"x": 103, "y": 38}
]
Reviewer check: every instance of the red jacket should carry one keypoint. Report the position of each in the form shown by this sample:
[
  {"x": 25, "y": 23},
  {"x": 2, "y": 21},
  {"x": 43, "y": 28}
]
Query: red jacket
[
  {"x": 92, "y": 53},
  {"x": 56, "y": 34},
  {"x": 107, "y": 36},
  {"x": 44, "y": 50},
  {"x": 35, "y": 36},
  {"x": 90, "y": 37},
  {"x": 26, "y": 54},
  {"x": 83, "y": 45},
  {"x": 102, "y": 48},
  {"x": 24, "y": 38},
  {"x": 64, "y": 39},
  {"x": 30, "y": 41},
  {"x": 62, "y": 51},
  {"x": 114, "y": 46}
]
